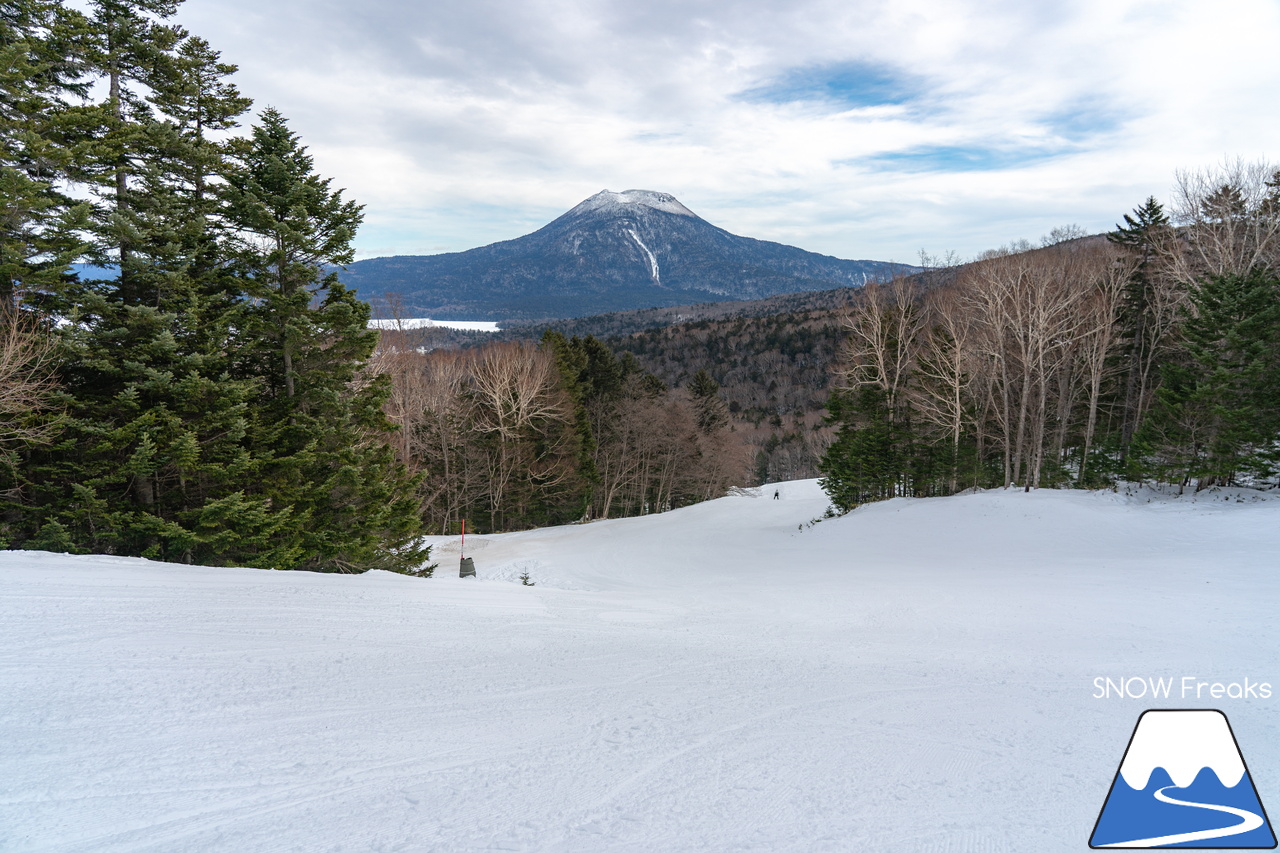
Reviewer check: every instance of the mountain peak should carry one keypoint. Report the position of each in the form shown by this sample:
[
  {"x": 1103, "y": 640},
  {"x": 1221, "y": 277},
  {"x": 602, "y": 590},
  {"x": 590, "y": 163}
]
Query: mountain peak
[{"x": 607, "y": 201}]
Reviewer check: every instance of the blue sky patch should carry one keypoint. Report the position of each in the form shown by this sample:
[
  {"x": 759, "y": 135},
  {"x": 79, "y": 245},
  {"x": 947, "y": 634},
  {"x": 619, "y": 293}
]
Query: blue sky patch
[
  {"x": 851, "y": 85},
  {"x": 1082, "y": 120},
  {"x": 959, "y": 158}
]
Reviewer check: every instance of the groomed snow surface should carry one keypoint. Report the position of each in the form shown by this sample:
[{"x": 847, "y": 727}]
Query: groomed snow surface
[{"x": 916, "y": 676}]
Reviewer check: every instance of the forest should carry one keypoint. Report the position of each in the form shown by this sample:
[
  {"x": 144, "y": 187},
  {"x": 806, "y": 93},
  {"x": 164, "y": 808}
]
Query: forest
[
  {"x": 204, "y": 401},
  {"x": 775, "y": 374},
  {"x": 516, "y": 434},
  {"x": 1151, "y": 355}
]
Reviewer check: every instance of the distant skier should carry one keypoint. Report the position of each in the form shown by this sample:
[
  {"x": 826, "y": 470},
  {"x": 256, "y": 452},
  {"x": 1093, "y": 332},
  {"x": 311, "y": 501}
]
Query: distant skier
[{"x": 775, "y": 494}]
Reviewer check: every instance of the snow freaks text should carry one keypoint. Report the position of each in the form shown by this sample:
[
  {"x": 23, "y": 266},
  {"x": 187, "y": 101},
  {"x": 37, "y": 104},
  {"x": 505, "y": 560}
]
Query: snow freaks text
[{"x": 1186, "y": 687}]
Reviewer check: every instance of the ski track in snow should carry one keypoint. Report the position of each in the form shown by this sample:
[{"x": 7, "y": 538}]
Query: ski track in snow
[{"x": 915, "y": 677}]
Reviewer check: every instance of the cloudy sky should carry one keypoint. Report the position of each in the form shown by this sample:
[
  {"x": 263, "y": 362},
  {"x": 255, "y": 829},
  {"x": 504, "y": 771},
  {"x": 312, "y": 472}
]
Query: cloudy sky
[{"x": 856, "y": 128}]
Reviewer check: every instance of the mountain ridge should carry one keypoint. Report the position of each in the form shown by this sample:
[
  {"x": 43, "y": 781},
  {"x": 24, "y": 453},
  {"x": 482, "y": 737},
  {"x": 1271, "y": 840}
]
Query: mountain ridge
[{"x": 614, "y": 251}]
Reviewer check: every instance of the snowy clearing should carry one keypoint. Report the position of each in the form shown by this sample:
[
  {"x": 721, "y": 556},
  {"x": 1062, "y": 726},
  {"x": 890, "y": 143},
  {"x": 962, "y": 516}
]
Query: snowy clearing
[{"x": 916, "y": 676}]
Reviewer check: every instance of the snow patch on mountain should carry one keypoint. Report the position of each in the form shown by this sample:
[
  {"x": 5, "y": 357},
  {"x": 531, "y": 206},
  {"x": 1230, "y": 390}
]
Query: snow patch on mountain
[
  {"x": 611, "y": 202},
  {"x": 653, "y": 261}
]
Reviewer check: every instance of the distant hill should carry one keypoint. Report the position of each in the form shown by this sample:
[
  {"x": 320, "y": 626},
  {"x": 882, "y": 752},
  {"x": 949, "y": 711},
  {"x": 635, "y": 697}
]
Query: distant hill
[
  {"x": 627, "y": 322},
  {"x": 613, "y": 252}
]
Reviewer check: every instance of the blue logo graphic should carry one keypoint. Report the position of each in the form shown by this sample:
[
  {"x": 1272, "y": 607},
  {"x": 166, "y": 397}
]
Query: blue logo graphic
[{"x": 1183, "y": 783}]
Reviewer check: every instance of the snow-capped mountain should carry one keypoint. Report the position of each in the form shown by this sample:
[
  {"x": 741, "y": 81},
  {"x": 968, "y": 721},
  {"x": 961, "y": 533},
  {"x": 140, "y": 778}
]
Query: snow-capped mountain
[{"x": 613, "y": 252}]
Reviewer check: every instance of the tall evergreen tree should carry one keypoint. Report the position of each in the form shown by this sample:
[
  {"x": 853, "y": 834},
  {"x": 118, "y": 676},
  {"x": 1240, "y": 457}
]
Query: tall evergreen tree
[
  {"x": 40, "y": 68},
  {"x": 1145, "y": 233},
  {"x": 128, "y": 44},
  {"x": 579, "y": 368},
  {"x": 320, "y": 426},
  {"x": 215, "y": 405}
]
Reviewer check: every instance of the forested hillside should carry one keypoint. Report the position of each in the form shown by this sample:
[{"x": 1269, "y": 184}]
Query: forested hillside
[
  {"x": 626, "y": 322},
  {"x": 1154, "y": 355},
  {"x": 774, "y": 373},
  {"x": 517, "y": 434},
  {"x": 772, "y": 360}
]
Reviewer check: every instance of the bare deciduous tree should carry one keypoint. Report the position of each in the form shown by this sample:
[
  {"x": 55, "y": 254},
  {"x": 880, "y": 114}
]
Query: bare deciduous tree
[
  {"x": 882, "y": 328},
  {"x": 1232, "y": 215},
  {"x": 945, "y": 370},
  {"x": 514, "y": 385},
  {"x": 27, "y": 379},
  {"x": 1028, "y": 313},
  {"x": 1099, "y": 336}
]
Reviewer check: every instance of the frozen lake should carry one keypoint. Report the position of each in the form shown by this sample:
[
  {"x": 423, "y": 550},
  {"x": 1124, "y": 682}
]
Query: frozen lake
[{"x": 424, "y": 323}]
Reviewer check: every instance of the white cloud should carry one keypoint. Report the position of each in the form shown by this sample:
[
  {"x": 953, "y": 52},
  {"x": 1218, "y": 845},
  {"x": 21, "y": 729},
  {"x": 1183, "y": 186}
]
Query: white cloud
[{"x": 460, "y": 124}]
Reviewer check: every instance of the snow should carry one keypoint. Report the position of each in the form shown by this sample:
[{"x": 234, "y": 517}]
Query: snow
[
  {"x": 915, "y": 676},
  {"x": 653, "y": 261},
  {"x": 611, "y": 202},
  {"x": 424, "y": 322}
]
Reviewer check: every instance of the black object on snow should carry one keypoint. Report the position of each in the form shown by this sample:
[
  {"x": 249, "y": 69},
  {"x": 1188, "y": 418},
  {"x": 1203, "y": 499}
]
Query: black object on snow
[{"x": 467, "y": 569}]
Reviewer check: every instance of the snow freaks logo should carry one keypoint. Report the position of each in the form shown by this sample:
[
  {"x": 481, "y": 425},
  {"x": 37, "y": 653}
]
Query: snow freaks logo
[{"x": 1183, "y": 783}]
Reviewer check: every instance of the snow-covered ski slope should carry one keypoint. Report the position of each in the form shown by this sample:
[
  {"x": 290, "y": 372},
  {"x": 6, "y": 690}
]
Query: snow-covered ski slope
[{"x": 916, "y": 676}]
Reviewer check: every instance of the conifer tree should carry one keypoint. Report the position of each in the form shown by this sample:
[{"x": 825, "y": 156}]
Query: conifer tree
[
  {"x": 319, "y": 427},
  {"x": 40, "y": 68},
  {"x": 153, "y": 457},
  {"x": 711, "y": 411},
  {"x": 1146, "y": 234},
  {"x": 579, "y": 365},
  {"x": 215, "y": 408},
  {"x": 865, "y": 462},
  {"x": 127, "y": 43},
  {"x": 1217, "y": 414}
]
